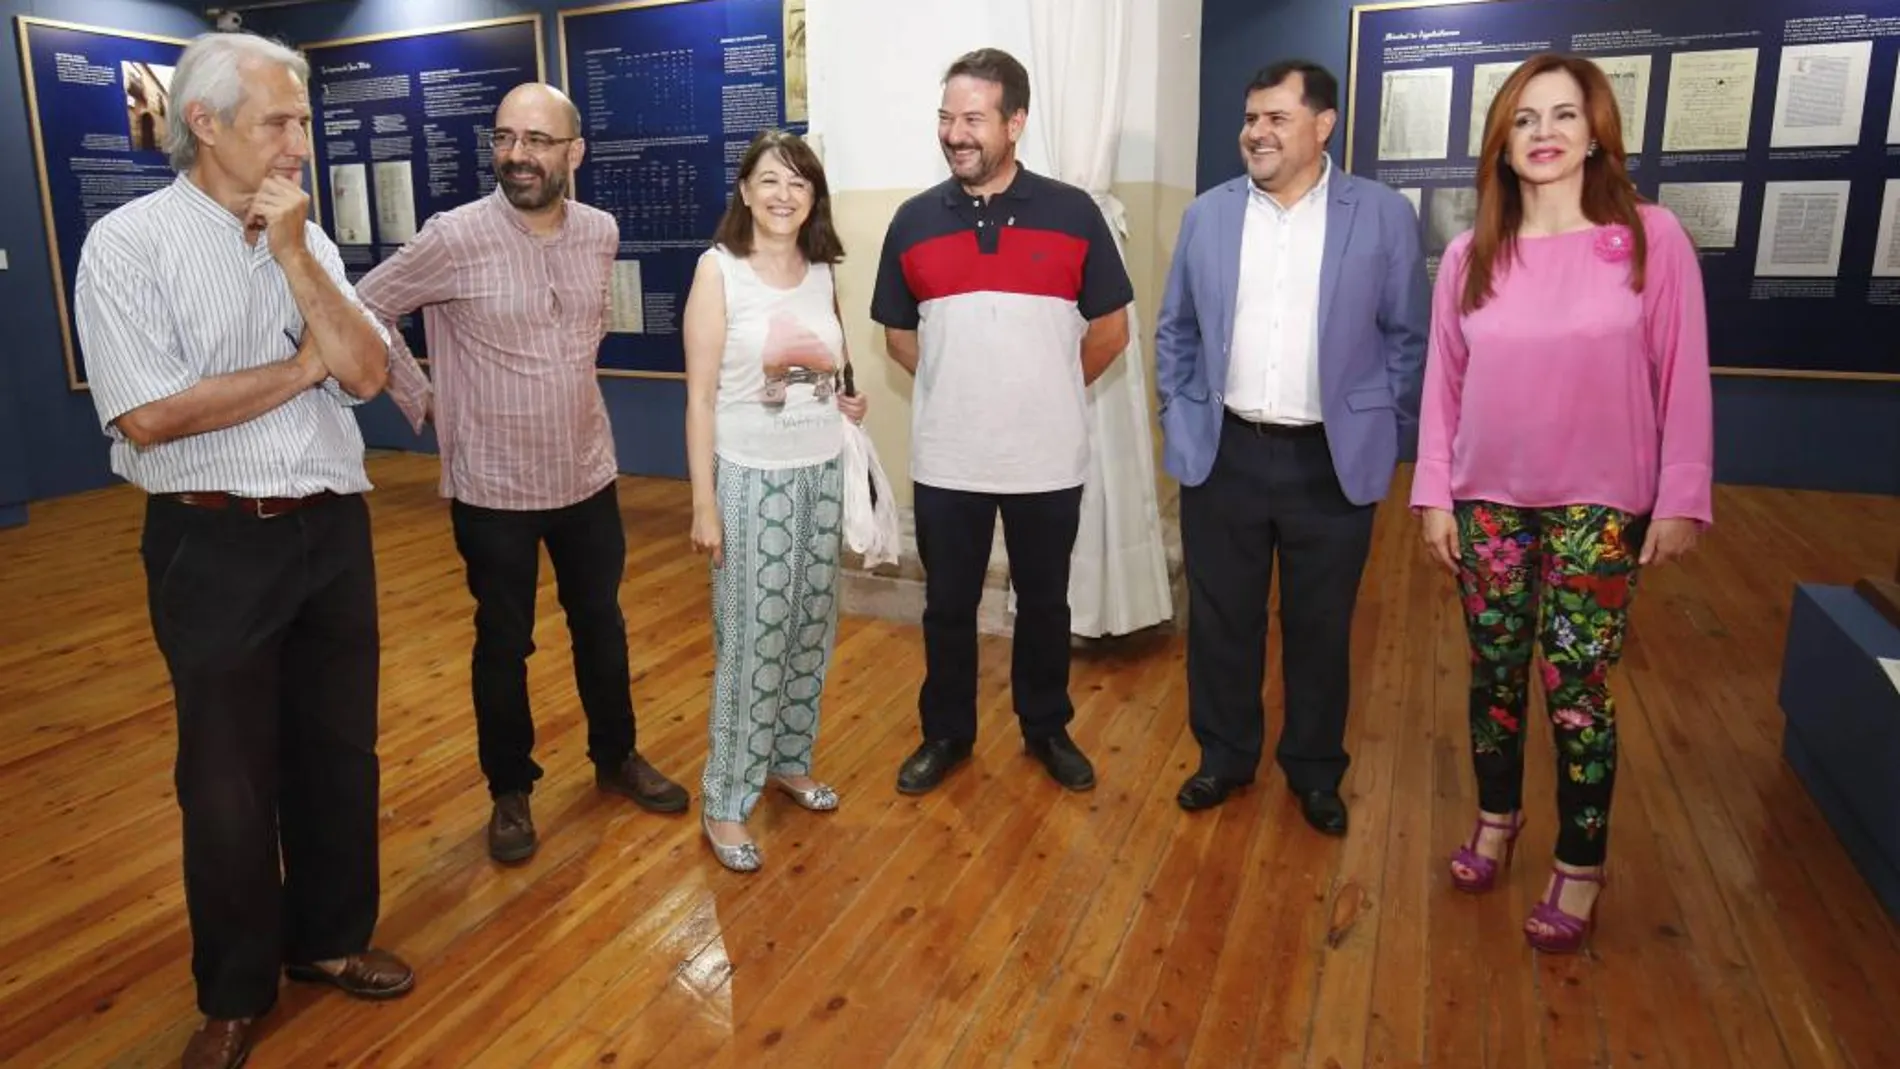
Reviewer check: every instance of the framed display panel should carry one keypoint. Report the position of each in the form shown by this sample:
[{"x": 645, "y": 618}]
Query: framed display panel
[
  {"x": 97, "y": 101},
  {"x": 1768, "y": 127},
  {"x": 401, "y": 125},
  {"x": 671, "y": 93}
]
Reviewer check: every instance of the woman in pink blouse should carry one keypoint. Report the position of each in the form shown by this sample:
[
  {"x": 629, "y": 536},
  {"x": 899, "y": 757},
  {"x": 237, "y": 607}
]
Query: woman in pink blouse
[{"x": 1565, "y": 442}]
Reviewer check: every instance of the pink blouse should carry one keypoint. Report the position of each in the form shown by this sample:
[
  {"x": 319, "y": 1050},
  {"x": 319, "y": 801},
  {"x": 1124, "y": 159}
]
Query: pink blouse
[{"x": 1568, "y": 388}]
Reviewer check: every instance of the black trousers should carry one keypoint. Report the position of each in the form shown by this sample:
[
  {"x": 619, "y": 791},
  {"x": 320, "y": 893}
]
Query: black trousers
[
  {"x": 1272, "y": 493},
  {"x": 954, "y": 530},
  {"x": 502, "y": 550},
  {"x": 269, "y": 629}
]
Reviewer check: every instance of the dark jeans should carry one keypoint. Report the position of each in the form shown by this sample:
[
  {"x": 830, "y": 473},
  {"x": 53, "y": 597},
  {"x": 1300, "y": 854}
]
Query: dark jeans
[
  {"x": 954, "y": 530},
  {"x": 502, "y": 549},
  {"x": 269, "y": 629},
  {"x": 1272, "y": 493}
]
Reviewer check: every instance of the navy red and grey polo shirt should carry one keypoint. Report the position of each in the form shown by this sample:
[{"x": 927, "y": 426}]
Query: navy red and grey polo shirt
[{"x": 1000, "y": 293}]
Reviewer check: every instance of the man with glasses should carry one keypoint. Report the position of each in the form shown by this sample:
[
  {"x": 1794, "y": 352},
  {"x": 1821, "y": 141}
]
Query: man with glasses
[{"x": 513, "y": 290}]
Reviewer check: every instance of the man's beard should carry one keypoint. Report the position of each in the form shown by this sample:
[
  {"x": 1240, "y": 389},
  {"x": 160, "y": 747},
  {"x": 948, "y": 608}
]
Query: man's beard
[
  {"x": 986, "y": 164},
  {"x": 553, "y": 187}
]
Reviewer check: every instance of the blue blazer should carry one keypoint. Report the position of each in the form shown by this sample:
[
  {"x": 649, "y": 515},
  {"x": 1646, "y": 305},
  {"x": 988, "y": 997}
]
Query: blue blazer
[{"x": 1374, "y": 311}]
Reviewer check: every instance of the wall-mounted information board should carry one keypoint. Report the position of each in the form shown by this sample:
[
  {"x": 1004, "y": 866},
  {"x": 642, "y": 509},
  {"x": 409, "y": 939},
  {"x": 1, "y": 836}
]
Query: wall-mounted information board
[
  {"x": 402, "y": 122},
  {"x": 1768, "y": 126},
  {"x": 98, "y": 101},
  {"x": 672, "y": 92}
]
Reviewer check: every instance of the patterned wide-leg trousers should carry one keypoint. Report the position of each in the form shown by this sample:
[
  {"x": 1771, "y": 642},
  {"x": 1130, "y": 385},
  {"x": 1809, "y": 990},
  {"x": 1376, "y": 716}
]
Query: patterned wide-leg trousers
[{"x": 775, "y": 615}]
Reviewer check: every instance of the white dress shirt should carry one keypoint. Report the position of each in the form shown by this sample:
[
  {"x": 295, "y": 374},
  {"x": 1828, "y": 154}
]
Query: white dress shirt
[{"x": 1273, "y": 372}]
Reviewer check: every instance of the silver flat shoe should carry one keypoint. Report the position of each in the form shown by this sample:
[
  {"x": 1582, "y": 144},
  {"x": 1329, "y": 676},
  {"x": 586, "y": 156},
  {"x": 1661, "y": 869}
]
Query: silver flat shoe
[
  {"x": 741, "y": 858},
  {"x": 820, "y": 799}
]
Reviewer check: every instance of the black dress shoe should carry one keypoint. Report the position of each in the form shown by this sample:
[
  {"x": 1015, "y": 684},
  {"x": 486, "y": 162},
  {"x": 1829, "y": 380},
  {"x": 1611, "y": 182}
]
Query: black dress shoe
[
  {"x": 927, "y": 767},
  {"x": 1205, "y": 791},
  {"x": 1324, "y": 810},
  {"x": 1066, "y": 764}
]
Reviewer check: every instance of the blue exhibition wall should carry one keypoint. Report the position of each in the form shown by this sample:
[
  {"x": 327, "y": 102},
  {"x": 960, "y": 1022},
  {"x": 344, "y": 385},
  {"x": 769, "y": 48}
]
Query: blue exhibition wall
[
  {"x": 401, "y": 127},
  {"x": 372, "y": 99},
  {"x": 629, "y": 141},
  {"x": 668, "y": 120},
  {"x": 96, "y": 150},
  {"x": 50, "y": 444},
  {"x": 649, "y": 415},
  {"x": 1816, "y": 433},
  {"x": 1812, "y": 433}
]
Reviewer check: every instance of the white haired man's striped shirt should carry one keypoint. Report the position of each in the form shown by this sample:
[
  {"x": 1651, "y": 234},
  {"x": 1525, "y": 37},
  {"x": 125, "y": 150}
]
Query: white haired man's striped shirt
[{"x": 169, "y": 293}]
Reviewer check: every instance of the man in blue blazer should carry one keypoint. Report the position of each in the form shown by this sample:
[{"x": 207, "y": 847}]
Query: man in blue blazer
[{"x": 1288, "y": 356}]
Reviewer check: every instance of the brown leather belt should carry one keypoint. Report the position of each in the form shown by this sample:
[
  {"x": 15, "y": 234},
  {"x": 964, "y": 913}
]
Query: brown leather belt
[{"x": 261, "y": 507}]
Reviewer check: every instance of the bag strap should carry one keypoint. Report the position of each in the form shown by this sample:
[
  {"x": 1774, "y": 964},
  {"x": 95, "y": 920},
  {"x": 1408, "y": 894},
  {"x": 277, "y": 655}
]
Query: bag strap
[{"x": 850, "y": 379}]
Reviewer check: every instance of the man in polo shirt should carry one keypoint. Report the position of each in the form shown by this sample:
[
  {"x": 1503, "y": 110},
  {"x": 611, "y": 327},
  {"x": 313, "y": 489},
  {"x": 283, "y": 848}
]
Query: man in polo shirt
[
  {"x": 1003, "y": 293},
  {"x": 224, "y": 342}
]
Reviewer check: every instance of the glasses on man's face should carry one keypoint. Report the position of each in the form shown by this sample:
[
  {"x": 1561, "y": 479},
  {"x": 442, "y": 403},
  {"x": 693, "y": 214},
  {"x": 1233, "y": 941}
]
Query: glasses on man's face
[{"x": 533, "y": 140}]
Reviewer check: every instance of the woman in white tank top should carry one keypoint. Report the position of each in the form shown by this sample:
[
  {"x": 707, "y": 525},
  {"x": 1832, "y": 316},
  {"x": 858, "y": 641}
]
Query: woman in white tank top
[{"x": 765, "y": 358}]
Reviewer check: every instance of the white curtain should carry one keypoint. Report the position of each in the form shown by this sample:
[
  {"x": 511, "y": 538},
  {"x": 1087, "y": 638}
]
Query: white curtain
[{"x": 1119, "y": 573}]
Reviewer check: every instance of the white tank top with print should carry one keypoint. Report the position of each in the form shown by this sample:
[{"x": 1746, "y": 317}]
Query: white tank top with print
[{"x": 781, "y": 371}]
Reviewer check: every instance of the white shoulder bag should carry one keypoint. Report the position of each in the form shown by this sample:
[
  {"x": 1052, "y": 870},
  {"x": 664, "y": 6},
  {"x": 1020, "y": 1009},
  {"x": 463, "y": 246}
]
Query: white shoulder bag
[{"x": 871, "y": 529}]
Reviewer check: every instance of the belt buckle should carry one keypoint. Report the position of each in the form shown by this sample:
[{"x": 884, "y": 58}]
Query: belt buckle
[{"x": 265, "y": 508}]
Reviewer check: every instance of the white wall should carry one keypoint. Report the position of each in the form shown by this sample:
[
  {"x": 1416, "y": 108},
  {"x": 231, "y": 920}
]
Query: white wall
[
  {"x": 876, "y": 79},
  {"x": 1178, "y": 92},
  {"x": 876, "y": 71},
  {"x": 1141, "y": 116}
]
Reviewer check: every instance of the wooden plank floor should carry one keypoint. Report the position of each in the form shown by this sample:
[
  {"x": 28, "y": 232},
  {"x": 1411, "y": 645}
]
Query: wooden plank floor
[{"x": 998, "y": 921}]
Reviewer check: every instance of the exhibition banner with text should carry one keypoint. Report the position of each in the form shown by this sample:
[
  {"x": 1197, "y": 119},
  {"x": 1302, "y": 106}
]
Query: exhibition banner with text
[
  {"x": 402, "y": 126},
  {"x": 1767, "y": 126},
  {"x": 672, "y": 93},
  {"x": 98, "y": 101}
]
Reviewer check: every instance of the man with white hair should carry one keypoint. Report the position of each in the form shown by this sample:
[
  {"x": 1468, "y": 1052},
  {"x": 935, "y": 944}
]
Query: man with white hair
[{"x": 223, "y": 344}]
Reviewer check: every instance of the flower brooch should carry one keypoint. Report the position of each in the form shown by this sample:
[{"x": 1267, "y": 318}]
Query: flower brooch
[{"x": 1613, "y": 243}]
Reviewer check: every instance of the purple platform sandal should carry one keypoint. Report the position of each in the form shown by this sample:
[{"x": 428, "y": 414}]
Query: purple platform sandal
[
  {"x": 1485, "y": 868},
  {"x": 1567, "y": 933}
]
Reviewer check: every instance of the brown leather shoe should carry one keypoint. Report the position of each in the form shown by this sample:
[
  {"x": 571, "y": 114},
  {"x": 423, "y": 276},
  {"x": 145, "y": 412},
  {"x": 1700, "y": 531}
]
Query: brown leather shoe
[
  {"x": 371, "y": 974},
  {"x": 643, "y": 783},
  {"x": 220, "y": 1044},
  {"x": 511, "y": 829}
]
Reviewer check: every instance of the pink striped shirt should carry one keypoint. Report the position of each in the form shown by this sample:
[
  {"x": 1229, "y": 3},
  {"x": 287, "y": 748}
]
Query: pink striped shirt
[{"x": 514, "y": 323}]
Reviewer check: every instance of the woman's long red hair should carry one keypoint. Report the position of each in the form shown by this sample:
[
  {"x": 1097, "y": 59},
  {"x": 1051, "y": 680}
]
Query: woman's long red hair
[{"x": 1608, "y": 194}]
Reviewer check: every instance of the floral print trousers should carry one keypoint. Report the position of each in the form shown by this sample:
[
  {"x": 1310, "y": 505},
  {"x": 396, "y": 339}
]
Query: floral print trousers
[{"x": 1562, "y": 578}]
